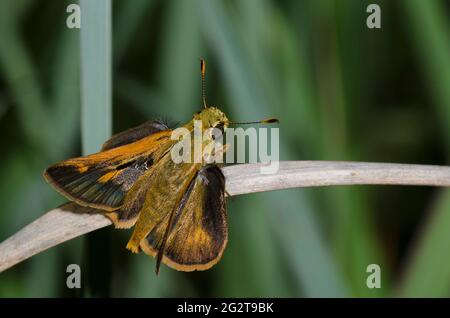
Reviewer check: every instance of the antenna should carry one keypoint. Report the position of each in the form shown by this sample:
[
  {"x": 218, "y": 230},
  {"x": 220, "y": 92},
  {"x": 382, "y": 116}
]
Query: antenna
[{"x": 203, "y": 69}]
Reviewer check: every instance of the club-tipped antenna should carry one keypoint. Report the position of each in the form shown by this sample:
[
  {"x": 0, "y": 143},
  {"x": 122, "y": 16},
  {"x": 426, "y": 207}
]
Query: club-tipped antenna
[
  {"x": 203, "y": 69},
  {"x": 264, "y": 121}
]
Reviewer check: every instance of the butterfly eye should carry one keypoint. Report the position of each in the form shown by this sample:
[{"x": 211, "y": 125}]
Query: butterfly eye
[{"x": 220, "y": 125}]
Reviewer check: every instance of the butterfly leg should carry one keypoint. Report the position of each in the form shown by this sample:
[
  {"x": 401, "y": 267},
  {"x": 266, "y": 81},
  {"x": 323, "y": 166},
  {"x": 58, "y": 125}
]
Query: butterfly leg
[{"x": 146, "y": 222}]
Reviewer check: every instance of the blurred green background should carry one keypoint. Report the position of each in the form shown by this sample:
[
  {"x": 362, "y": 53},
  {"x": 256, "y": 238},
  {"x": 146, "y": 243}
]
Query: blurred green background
[{"x": 342, "y": 92}]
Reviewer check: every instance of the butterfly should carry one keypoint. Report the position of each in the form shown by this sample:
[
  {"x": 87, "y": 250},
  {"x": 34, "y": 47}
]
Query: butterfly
[{"x": 178, "y": 209}]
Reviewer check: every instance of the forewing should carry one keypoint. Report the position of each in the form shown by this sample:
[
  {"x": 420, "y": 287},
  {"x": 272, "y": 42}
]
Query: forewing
[
  {"x": 198, "y": 232},
  {"x": 101, "y": 180},
  {"x": 134, "y": 134}
]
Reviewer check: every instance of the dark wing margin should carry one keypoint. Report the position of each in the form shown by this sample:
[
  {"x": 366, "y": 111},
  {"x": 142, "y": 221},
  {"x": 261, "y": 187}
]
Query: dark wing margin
[
  {"x": 133, "y": 134},
  {"x": 195, "y": 236}
]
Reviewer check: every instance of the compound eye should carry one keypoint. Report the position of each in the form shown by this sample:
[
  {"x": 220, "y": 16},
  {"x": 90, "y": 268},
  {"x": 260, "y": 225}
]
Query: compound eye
[{"x": 220, "y": 125}]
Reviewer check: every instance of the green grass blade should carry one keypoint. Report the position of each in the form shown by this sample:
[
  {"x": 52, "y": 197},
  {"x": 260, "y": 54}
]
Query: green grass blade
[
  {"x": 96, "y": 114},
  {"x": 96, "y": 124},
  {"x": 20, "y": 74}
]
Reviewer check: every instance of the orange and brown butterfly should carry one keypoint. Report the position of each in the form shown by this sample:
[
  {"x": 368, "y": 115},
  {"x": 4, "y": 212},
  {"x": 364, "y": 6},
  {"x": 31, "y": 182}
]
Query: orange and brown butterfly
[{"x": 178, "y": 209}]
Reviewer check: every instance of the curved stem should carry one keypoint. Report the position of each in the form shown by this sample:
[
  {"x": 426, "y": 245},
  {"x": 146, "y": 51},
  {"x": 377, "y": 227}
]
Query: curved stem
[{"x": 71, "y": 220}]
